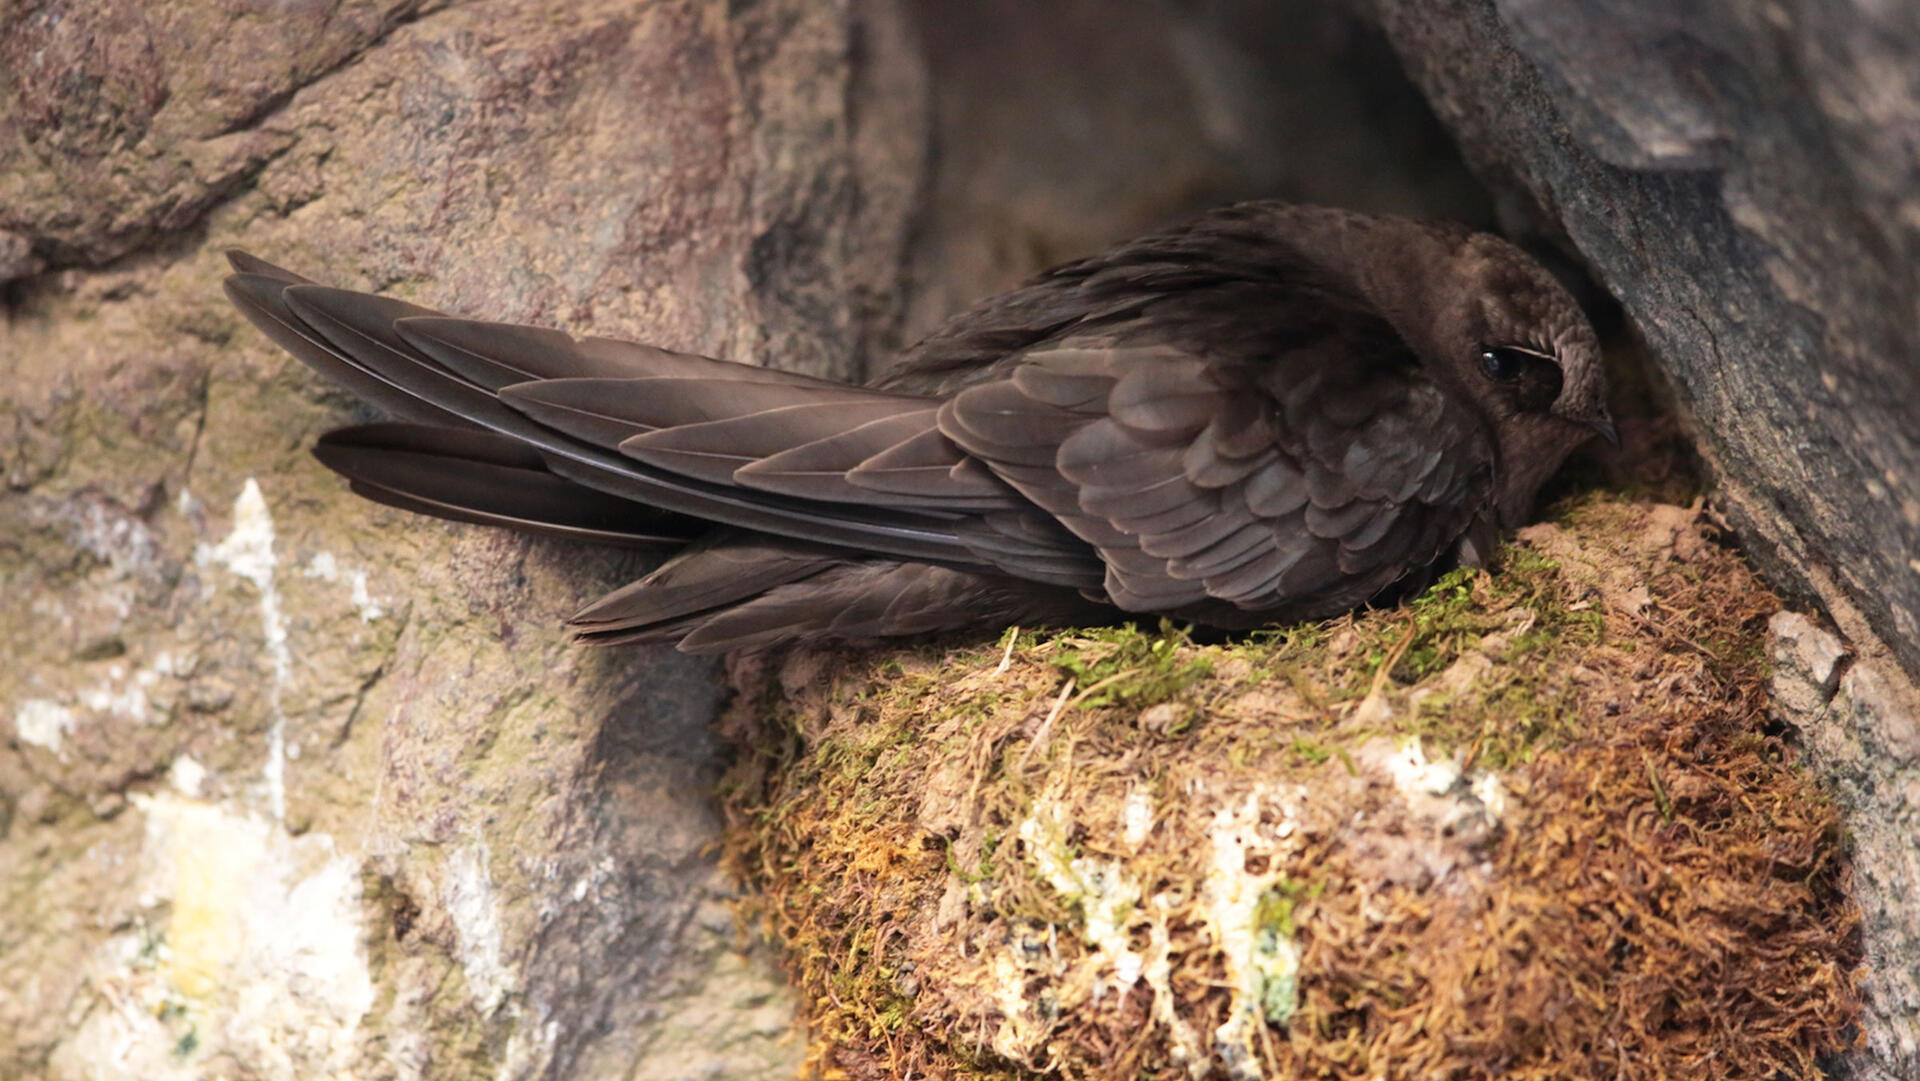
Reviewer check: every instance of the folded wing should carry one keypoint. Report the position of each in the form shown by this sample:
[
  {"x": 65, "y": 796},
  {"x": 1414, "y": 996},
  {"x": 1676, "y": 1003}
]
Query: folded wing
[{"x": 1232, "y": 490}]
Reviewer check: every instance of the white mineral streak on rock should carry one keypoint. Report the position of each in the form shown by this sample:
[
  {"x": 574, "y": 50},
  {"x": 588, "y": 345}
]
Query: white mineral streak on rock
[
  {"x": 469, "y": 897},
  {"x": 248, "y": 552},
  {"x": 326, "y": 567},
  {"x": 254, "y": 957},
  {"x": 523, "y": 1050}
]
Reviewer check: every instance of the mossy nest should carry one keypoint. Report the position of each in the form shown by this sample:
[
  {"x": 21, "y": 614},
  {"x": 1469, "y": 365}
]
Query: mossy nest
[{"x": 1533, "y": 824}]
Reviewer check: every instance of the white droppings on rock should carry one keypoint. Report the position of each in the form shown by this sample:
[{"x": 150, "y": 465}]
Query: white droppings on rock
[
  {"x": 1184, "y": 1044},
  {"x": 1454, "y": 812},
  {"x": 1260, "y": 959},
  {"x": 1471, "y": 803},
  {"x": 112, "y": 533},
  {"x": 469, "y": 898},
  {"x": 188, "y": 777},
  {"x": 248, "y": 548},
  {"x": 120, "y": 696},
  {"x": 43, "y": 722},
  {"x": 326, "y": 567},
  {"x": 48, "y": 722},
  {"x": 1492, "y": 794},
  {"x": 248, "y": 552},
  {"x": 256, "y": 957}
]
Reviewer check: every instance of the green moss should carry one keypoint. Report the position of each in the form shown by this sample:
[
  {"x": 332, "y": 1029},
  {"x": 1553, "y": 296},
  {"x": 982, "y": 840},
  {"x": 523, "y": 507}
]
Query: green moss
[{"x": 1128, "y": 666}]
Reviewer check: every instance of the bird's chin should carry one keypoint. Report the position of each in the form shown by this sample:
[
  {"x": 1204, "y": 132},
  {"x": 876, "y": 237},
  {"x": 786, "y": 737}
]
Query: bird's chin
[{"x": 1529, "y": 454}]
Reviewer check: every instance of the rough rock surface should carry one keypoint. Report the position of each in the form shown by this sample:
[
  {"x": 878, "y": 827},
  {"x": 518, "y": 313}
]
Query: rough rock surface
[
  {"x": 250, "y": 726},
  {"x": 293, "y": 787},
  {"x": 1862, "y": 726},
  {"x": 1062, "y": 128}
]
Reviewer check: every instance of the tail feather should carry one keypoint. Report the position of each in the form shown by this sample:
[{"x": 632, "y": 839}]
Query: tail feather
[
  {"x": 488, "y": 479},
  {"x": 722, "y": 570},
  {"x": 881, "y": 599},
  {"x": 351, "y": 337}
]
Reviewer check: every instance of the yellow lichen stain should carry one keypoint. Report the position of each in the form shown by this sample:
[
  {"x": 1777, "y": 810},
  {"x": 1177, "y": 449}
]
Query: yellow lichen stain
[{"x": 216, "y": 857}]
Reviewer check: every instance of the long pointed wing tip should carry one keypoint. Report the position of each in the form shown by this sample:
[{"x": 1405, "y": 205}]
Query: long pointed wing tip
[{"x": 245, "y": 262}]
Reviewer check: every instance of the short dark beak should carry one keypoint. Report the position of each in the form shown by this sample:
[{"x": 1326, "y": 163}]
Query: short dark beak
[{"x": 1602, "y": 426}]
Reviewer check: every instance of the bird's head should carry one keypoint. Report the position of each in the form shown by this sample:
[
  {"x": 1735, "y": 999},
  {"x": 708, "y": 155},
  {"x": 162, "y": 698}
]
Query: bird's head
[{"x": 1495, "y": 326}]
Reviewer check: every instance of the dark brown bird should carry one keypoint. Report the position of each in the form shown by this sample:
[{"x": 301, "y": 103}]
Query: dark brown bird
[{"x": 1270, "y": 414}]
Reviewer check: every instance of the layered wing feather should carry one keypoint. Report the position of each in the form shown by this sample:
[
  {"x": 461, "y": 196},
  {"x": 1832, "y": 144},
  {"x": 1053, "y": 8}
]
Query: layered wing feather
[{"x": 1301, "y": 482}]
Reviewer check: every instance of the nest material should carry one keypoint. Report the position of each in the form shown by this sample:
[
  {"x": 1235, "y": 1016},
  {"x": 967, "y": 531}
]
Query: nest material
[{"x": 1533, "y": 824}]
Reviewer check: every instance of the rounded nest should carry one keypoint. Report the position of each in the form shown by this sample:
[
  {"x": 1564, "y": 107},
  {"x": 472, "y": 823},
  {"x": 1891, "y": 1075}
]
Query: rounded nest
[{"x": 1533, "y": 824}]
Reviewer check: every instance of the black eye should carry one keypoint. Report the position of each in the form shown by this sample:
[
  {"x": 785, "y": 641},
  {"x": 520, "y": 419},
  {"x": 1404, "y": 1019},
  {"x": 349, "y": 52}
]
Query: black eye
[{"x": 1504, "y": 365}]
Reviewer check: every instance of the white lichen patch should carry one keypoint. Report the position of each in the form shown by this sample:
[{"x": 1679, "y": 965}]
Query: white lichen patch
[
  {"x": 247, "y": 551},
  {"x": 324, "y": 566},
  {"x": 253, "y": 954},
  {"x": 470, "y": 900}
]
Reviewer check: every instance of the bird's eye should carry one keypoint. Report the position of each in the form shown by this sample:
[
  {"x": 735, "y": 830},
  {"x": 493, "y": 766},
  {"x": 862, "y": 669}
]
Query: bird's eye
[{"x": 1504, "y": 365}]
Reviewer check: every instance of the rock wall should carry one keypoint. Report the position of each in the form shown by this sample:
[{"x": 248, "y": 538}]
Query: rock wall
[{"x": 293, "y": 787}]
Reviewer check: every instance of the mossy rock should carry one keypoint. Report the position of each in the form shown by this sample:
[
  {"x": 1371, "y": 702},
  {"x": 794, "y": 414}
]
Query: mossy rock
[{"x": 1533, "y": 824}]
